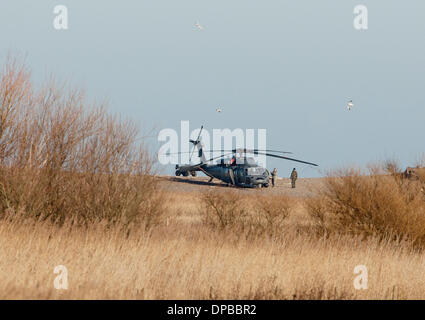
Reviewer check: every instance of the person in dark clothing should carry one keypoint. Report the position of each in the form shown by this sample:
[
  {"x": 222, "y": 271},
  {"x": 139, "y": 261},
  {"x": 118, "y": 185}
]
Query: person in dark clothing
[
  {"x": 274, "y": 175},
  {"x": 294, "y": 177}
]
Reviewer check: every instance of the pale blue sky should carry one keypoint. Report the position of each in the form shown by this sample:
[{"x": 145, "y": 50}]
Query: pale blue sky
[{"x": 287, "y": 66}]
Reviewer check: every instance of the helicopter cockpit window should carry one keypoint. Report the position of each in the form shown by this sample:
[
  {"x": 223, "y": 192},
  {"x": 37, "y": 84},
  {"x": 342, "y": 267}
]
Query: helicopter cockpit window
[
  {"x": 250, "y": 160},
  {"x": 256, "y": 171}
]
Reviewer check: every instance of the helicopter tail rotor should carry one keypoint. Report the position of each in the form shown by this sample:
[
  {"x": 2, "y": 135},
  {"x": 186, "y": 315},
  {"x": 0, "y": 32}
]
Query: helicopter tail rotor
[{"x": 198, "y": 144}]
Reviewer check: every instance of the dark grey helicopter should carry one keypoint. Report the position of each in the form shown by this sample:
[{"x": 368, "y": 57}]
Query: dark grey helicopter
[{"x": 239, "y": 171}]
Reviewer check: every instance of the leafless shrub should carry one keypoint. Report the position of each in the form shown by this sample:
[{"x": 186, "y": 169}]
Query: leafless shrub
[
  {"x": 250, "y": 216},
  {"x": 317, "y": 208},
  {"x": 271, "y": 212},
  {"x": 61, "y": 157},
  {"x": 378, "y": 204},
  {"x": 223, "y": 210}
]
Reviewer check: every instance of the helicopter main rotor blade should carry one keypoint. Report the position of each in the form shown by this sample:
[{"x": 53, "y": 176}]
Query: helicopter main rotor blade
[
  {"x": 197, "y": 141},
  {"x": 244, "y": 150},
  {"x": 221, "y": 156},
  {"x": 235, "y": 151},
  {"x": 286, "y": 158}
]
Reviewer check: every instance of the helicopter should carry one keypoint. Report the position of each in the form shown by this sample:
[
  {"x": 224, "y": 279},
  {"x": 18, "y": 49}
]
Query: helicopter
[{"x": 240, "y": 171}]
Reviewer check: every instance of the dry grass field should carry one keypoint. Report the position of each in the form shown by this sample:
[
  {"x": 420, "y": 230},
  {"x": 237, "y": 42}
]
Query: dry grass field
[
  {"x": 185, "y": 258},
  {"x": 77, "y": 189}
]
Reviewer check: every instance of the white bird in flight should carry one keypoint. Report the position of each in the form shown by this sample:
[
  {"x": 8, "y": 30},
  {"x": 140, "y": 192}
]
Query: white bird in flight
[
  {"x": 350, "y": 105},
  {"x": 199, "y": 26}
]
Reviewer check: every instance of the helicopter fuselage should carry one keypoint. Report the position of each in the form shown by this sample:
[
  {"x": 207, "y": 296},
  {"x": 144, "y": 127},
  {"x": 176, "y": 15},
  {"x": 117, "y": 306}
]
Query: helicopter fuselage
[
  {"x": 240, "y": 171},
  {"x": 241, "y": 175}
]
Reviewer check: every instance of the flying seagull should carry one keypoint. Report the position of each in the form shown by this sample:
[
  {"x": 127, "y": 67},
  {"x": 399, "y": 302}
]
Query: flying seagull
[
  {"x": 199, "y": 26},
  {"x": 350, "y": 105}
]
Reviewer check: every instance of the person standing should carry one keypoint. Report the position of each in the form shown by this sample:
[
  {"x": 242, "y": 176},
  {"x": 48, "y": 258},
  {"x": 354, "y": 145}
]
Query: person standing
[
  {"x": 274, "y": 174},
  {"x": 294, "y": 177}
]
